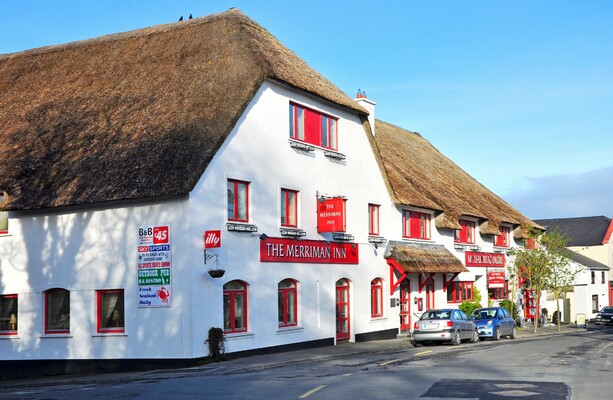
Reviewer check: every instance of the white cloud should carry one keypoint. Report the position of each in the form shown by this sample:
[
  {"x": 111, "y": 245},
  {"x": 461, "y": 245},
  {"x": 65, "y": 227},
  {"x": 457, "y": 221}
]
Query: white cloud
[{"x": 562, "y": 196}]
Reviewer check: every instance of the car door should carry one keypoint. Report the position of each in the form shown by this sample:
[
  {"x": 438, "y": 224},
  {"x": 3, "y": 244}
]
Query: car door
[
  {"x": 464, "y": 325},
  {"x": 505, "y": 328}
]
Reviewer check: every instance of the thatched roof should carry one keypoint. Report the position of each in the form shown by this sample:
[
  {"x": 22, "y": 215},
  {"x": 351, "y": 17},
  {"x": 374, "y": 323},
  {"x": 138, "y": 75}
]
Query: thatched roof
[
  {"x": 421, "y": 176},
  {"x": 423, "y": 258},
  {"x": 138, "y": 114}
]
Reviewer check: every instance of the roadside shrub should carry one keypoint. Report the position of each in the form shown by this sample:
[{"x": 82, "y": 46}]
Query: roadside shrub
[
  {"x": 217, "y": 344},
  {"x": 470, "y": 306},
  {"x": 508, "y": 304}
]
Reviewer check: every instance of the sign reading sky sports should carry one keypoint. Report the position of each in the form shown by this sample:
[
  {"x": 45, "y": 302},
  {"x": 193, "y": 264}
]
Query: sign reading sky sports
[{"x": 154, "y": 266}]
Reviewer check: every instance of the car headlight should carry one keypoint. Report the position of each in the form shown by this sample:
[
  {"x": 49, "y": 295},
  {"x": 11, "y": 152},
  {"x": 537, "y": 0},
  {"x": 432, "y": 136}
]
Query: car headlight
[{"x": 489, "y": 322}]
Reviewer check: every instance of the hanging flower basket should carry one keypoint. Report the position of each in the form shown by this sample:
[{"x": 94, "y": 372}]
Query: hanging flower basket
[{"x": 216, "y": 273}]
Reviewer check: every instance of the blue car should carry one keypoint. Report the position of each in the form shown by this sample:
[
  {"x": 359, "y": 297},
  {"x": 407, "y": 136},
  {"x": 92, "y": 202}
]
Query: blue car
[{"x": 493, "y": 323}]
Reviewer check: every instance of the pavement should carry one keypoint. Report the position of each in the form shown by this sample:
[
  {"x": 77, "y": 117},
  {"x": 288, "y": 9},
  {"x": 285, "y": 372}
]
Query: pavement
[{"x": 274, "y": 360}]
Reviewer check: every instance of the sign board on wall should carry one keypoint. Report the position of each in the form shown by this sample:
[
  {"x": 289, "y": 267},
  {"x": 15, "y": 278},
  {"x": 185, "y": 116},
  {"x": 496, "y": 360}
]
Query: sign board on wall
[
  {"x": 495, "y": 277},
  {"x": 154, "y": 266},
  {"x": 331, "y": 215},
  {"x": 308, "y": 251},
  {"x": 474, "y": 259},
  {"x": 212, "y": 239}
]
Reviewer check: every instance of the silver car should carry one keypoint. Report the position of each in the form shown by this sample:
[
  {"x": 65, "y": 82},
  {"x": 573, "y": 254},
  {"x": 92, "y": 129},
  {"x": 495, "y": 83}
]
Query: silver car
[{"x": 447, "y": 325}]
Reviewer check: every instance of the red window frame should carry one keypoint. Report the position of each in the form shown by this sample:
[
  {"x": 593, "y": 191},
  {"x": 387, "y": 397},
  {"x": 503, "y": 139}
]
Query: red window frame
[
  {"x": 4, "y": 218},
  {"x": 289, "y": 209},
  {"x": 467, "y": 233},
  {"x": 503, "y": 240},
  {"x": 460, "y": 291},
  {"x": 499, "y": 293},
  {"x": 56, "y": 321},
  {"x": 288, "y": 303},
  {"x": 376, "y": 298},
  {"x": 9, "y": 315},
  {"x": 235, "y": 291},
  {"x": 373, "y": 219},
  {"x": 114, "y": 321},
  {"x": 313, "y": 127},
  {"x": 235, "y": 201},
  {"x": 416, "y": 225}
]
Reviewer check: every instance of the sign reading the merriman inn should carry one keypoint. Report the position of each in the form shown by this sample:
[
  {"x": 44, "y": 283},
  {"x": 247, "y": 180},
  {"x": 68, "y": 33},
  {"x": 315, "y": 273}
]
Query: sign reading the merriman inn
[
  {"x": 307, "y": 251},
  {"x": 474, "y": 259}
]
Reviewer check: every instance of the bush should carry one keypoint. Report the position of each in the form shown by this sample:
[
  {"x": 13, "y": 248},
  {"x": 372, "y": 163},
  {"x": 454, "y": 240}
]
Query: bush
[
  {"x": 217, "y": 344},
  {"x": 508, "y": 304},
  {"x": 469, "y": 306}
]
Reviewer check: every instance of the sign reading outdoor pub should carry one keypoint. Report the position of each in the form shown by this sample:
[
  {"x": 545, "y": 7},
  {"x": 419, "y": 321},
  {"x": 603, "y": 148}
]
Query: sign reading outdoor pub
[
  {"x": 154, "y": 266},
  {"x": 307, "y": 251},
  {"x": 331, "y": 215},
  {"x": 474, "y": 259}
]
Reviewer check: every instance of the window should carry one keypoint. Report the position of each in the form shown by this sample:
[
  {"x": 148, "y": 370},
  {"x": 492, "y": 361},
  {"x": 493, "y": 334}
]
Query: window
[
  {"x": 238, "y": 201},
  {"x": 602, "y": 277},
  {"x": 376, "y": 298},
  {"x": 458, "y": 292},
  {"x": 595, "y": 307},
  {"x": 8, "y": 314},
  {"x": 593, "y": 277},
  {"x": 312, "y": 127},
  {"x": 416, "y": 225},
  {"x": 373, "y": 219},
  {"x": 530, "y": 243},
  {"x": 110, "y": 311},
  {"x": 503, "y": 240},
  {"x": 289, "y": 208},
  {"x": 57, "y": 311},
  {"x": 467, "y": 233},
  {"x": 235, "y": 307},
  {"x": 288, "y": 303},
  {"x": 499, "y": 293},
  {"x": 4, "y": 218}
]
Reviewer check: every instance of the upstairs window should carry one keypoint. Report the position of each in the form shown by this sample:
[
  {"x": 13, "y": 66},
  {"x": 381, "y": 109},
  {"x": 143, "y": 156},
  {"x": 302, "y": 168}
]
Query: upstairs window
[
  {"x": 416, "y": 225},
  {"x": 8, "y": 314},
  {"x": 4, "y": 218},
  {"x": 238, "y": 201},
  {"x": 312, "y": 127},
  {"x": 373, "y": 219},
  {"x": 503, "y": 240},
  {"x": 289, "y": 208},
  {"x": 467, "y": 233},
  {"x": 110, "y": 311},
  {"x": 57, "y": 311}
]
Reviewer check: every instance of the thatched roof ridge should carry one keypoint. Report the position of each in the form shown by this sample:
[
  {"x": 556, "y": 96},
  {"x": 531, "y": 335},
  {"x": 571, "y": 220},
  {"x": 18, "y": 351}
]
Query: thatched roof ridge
[
  {"x": 138, "y": 114},
  {"x": 421, "y": 176},
  {"x": 424, "y": 258}
]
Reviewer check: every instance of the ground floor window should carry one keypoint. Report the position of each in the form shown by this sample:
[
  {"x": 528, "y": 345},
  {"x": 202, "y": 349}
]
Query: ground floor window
[
  {"x": 459, "y": 292},
  {"x": 57, "y": 311},
  {"x": 8, "y": 314},
  {"x": 376, "y": 298},
  {"x": 235, "y": 307},
  {"x": 499, "y": 293},
  {"x": 595, "y": 307},
  {"x": 110, "y": 311},
  {"x": 288, "y": 305}
]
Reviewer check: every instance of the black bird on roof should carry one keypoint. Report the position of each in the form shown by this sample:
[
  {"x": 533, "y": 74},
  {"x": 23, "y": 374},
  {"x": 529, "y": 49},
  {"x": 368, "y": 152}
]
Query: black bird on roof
[
  {"x": 190, "y": 16},
  {"x": 181, "y": 19}
]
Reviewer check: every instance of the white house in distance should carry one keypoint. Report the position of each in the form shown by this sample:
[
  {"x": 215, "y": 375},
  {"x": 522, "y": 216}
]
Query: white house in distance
[{"x": 136, "y": 168}]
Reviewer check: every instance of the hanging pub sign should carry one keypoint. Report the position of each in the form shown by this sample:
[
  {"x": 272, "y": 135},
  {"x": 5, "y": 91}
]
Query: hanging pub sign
[
  {"x": 154, "y": 266},
  {"x": 308, "y": 251},
  {"x": 331, "y": 215},
  {"x": 474, "y": 259},
  {"x": 212, "y": 239},
  {"x": 495, "y": 278}
]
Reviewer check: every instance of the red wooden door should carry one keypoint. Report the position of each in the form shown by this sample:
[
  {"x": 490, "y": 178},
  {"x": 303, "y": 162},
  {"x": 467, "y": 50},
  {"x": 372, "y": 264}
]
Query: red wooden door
[
  {"x": 342, "y": 310},
  {"x": 430, "y": 295},
  {"x": 405, "y": 307}
]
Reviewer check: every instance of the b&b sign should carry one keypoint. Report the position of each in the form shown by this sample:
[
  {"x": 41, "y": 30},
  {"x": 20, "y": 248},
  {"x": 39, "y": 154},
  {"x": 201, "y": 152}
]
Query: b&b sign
[{"x": 212, "y": 239}]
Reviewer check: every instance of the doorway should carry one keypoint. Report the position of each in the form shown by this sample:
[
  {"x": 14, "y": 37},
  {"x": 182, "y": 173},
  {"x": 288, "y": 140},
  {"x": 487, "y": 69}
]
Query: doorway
[
  {"x": 405, "y": 306},
  {"x": 342, "y": 310}
]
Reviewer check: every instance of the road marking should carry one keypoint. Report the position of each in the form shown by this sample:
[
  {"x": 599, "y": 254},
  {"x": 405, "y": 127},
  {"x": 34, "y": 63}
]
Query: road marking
[
  {"x": 389, "y": 362},
  {"x": 423, "y": 352},
  {"x": 310, "y": 392}
]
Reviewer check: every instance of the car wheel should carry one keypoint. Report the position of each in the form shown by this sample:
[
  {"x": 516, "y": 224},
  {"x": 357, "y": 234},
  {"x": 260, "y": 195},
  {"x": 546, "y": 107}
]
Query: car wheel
[
  {"x": 416, "y": 344},
  {"x": 475, "y": 337},
  {"x": 513, "y": 334},
  {"x": 497, "y": 334},
  {"x": 456, "y": 340}
]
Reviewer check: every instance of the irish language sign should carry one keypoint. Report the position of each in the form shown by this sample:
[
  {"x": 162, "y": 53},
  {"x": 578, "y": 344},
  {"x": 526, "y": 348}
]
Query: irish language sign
[
  {"x": 474, "y": 259},
  {"x": 154, "y": 266},
  {"x": 308, "y": 251}
]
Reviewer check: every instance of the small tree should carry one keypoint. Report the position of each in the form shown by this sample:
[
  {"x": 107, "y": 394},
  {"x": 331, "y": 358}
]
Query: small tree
[
  {"x": 469, "y": 306},
  {"x": 563, "y": 272}
]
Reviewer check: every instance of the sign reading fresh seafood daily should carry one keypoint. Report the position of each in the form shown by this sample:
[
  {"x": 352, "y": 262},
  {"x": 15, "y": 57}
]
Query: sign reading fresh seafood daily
[{"x": 154, "y": 266}]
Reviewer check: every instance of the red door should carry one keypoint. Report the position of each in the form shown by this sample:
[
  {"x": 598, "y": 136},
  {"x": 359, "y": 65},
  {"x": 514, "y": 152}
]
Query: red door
[
  {"x": 530, "y": 304},
  {"x": 430, "y": 295},
  {"x": 611, "y": 293},
  {"x": 405, "y": 307},
  {"x": 342, "y": 310}
]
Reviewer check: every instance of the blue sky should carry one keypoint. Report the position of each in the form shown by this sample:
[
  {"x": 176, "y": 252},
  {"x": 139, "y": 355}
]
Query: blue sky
[{"x": 517, "y": 93}]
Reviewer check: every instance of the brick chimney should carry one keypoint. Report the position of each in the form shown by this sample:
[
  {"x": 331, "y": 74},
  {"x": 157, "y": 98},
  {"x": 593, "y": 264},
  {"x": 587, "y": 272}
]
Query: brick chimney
[{"x": 369, "y": 105}]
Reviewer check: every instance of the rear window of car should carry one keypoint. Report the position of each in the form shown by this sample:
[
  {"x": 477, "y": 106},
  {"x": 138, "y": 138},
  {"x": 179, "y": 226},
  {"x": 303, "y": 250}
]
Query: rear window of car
[
  {"x": 607, "y": 310},
  {"x": 435, "y": 315},
  {"x": 483, "y": 314}
]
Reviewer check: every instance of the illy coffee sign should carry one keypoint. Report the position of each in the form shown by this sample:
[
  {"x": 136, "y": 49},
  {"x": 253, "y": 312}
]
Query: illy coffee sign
[{"x": 212, "y": 239}]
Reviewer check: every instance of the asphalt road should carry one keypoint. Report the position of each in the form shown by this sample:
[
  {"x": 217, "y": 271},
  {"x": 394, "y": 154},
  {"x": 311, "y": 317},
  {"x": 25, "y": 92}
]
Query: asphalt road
[{"x": 575, "y": 365}]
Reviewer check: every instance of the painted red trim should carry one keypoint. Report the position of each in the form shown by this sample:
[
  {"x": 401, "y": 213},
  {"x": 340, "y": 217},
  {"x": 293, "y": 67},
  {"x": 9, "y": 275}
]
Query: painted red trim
[
  {"x": 99, "y": 327},
  {"x": 46, "y": 318},
  {"x": 373, "y": 218},
  {"x": 394, "y": 266},
  {"x": 289, "y": 212},
  {"x": 607, "y": 236},
  {"x": 11, "y": 332},
  {"x": 312, "y": 122},
  {"x": 447, "y": 283},
  {"x": 235, "y": 200},
  {"x": 376, "y": 297},
  {"x": 340, "y": 334},
  {"x": 423, "y": 284}
]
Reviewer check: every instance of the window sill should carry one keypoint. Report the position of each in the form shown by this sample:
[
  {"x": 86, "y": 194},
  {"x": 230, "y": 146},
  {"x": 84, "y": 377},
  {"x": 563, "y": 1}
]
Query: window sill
[
  {"x": 287, "y": 231},
  {"x": 416, "y": 240},
  {"x": 378, "y": 319},
  {"x": 9, "y": 337},
  {"x": 109, "y": 334},
  {"x": 55, "y": 335},
  {"x": 290, "y": 329},
  {"x": 238, "y": 335},
  {"x": 241, "y": 227}
]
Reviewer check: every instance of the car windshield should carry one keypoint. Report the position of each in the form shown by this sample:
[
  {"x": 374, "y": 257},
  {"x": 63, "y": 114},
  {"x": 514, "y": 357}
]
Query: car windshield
[
  {"x": 483, "y": 314},
  {"x": 608, "y": 310},
  {"x": 436, "y": 314}
]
